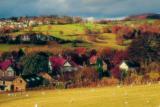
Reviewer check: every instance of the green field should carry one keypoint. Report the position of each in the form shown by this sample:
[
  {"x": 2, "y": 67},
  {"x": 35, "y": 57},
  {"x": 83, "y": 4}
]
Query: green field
[
  {"x": 76, "y": 32},
  {"x": 126, "y": 96},
  {"x": 70, "y": 31},
  {"x": 5, "y": 47}
]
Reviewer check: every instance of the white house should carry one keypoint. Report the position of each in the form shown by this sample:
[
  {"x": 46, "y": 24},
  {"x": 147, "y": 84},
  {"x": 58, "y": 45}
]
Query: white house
[
  {"x": 129, "y": 66},
  {"x": 68, "y": 67}
]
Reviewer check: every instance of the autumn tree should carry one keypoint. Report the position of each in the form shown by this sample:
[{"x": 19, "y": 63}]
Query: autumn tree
[
  {"x": 35, "y": 62},
  {"x": 120, "y": 39},
  {"x": 87, "y": 31},
  {"x": 145, "y": 48},
  {"x": 119, "y": 56},
  {"x": 86, "y": 76},
  {"x": 105, "y": 30}
]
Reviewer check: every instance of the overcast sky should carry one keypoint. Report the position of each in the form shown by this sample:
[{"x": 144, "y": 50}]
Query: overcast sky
[{"x": 85, "y": 8}]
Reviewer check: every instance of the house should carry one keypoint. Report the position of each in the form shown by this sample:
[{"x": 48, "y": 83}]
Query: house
[
  {"x": 6, "y": 68},
  {"x": 80, "y": 50},
  {"x": 56, "y": 62},
  {"x": 6, "y": 83},
  {"x": 129, "y": 66},
  {"x": 69, "y": 66},
  {"x": 32, "y": 23},
  {"x": 93, "y": 60},
  {"x": 25, "y": 38},
  {"x": 25, "y": 82},
  {"x": 66, "y": 68},
  {"x": 63, "y": 64}
]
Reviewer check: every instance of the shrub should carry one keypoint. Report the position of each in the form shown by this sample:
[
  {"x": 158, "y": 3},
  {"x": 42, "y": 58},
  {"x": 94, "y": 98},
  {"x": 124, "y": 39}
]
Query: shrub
[
  {"x": 133, "y": 79},
  {"x": 86, "y": 76},
  {"x": 145, "y": 78},
  {"x": 105, "y": 30},
  {"x": 120, "y": 40},
  {"x": 87, "y": 31},
  {"x": 60, "y": 85},
  {"x": 109, "y": 81},
  {"x": 154, "y": 76},
  {"x": 116, "y": 72}
]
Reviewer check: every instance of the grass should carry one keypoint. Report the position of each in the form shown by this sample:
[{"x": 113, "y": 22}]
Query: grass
[
  {"x": 76, "y": 32},
  {"x": 108, "y": 40},
  {"x": 127, "y": 96},
  {"x": 5, "y": 47},
  {"x": 70, "y": 31}
]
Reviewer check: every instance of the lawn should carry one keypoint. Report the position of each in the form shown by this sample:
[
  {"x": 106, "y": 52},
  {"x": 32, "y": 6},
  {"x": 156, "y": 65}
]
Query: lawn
[{"x": 127, "y": 96}]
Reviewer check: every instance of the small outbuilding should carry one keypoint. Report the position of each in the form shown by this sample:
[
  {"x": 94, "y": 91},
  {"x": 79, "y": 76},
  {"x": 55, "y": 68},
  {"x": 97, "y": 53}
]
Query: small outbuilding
[{"x": 25, "y": 82}]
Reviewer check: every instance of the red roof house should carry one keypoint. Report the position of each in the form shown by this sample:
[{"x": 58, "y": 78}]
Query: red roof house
[
  {"x": 5, "y": 64},
  {"x": 6, "y": 69},
  {"x": 93, "y": 60},
  {"x": 57, "y": 62}
]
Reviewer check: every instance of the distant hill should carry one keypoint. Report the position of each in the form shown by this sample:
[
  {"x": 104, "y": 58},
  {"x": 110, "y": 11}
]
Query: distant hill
[{"x": 144, "y": 16}]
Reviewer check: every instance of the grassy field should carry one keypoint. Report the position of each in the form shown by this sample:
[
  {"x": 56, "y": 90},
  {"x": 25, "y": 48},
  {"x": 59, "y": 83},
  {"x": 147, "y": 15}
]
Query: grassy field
[
  {"x": 5, "y": 47},
  {"x": 70, "y": 31},
  {"x": 128, "y": 96},
  {"x": 76, "y": 32}
]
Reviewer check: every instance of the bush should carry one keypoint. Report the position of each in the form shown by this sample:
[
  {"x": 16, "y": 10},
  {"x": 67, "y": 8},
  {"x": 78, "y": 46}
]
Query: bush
[
  {"x": 154, "y": 76},
  {"x": 86, "y": 76},
  {"x": 60, "y": 85},
  {"x": 105, "y": 30},
  {"x": 109, "y": 81},
  {"x": 133, "y": 79}
]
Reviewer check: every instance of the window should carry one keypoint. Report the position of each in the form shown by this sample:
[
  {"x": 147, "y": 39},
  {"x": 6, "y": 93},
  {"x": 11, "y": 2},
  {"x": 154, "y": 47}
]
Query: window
[
  {"x": 3, "y": 82},
  {"x": 37, "y": 78},
  {"x": 20, "y": 81},
  {"x": 27, "y": 80},
  {"x": 32, "y": 79}
]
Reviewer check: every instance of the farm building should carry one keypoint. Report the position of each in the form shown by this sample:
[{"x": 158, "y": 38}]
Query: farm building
[{"x": 23, "y": 83}]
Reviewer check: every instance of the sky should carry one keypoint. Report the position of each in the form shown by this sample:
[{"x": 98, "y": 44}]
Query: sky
[{"x": 84, "y": 8}]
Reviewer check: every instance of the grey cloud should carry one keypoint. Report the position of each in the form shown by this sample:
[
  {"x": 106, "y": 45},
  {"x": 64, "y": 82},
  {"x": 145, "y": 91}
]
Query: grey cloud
[{"x": 97, "y": 8}]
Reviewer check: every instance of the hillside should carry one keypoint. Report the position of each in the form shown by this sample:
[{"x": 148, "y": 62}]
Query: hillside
[
  {"x": 74, "y": 32},
  {"x": 144, "y": 16}
]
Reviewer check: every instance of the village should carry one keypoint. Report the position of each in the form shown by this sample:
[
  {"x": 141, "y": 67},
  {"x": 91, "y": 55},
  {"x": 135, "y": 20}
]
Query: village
[
  {"x": 56, "y": 56},
  {"x": 79, "y": 53},
  {"x": 61, "y": 71}
]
